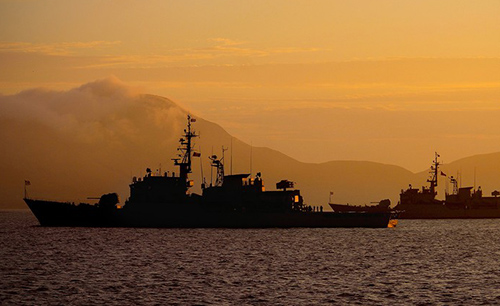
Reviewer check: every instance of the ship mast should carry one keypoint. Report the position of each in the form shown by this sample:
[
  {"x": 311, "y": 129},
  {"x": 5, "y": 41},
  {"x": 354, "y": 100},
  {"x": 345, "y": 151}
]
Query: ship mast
[
  {"x": 434, "y": 174},
  {"x": 455, "y": 185},
  {"x": 186, "y": 148}
]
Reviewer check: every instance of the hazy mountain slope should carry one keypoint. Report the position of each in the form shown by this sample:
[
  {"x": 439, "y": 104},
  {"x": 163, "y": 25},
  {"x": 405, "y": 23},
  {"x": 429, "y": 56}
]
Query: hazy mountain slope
[
  {"x": 93, "y": 139},
  {"x": 351, "y": 181},
  {"x": 83, "y": 142}
]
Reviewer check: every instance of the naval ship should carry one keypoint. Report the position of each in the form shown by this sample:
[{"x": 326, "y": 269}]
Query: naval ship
[
  {"x": 461, "y": 203},
  {"x": 233, "y": 201}
]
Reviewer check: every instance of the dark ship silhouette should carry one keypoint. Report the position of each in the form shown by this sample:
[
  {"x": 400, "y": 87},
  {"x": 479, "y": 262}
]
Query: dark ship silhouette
[
  {"x": 461, "y": 203},
  {"x": 383, "y": 205},
  {"x": 234, "y": 201}
]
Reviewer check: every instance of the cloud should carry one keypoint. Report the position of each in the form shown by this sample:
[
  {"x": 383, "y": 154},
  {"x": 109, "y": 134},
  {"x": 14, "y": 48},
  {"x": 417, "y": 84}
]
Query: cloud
[
  {"x": 103, "y": 111},
  {"x": 227, "y": 47},
  {"x": 223, "y": 48},
  {"x": 84, "y": 141},
  {"x": 226, "y": 41},
  {"x": 63, "y": 48}
]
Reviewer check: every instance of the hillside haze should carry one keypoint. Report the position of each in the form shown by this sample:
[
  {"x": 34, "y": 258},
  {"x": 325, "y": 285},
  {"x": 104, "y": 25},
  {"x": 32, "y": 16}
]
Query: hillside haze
[{"x": 93, "y": 139}]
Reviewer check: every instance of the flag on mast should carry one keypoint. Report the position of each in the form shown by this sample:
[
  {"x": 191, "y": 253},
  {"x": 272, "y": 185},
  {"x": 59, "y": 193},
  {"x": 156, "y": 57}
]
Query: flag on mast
[{"x": 26, "y": 183}]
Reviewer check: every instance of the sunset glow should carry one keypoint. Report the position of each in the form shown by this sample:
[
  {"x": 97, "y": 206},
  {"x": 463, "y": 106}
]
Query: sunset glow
[{"x": 385, "y": 81}]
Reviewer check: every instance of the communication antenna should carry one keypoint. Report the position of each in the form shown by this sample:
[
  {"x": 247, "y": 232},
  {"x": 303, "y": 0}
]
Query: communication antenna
[
  {"x": 211, "y": 171},
  {"x": 201, "y": 169},
  {"x": 251, "y": 156},
  {"x": 474, "y": 178},
  {"x": 223, "y": 150}
]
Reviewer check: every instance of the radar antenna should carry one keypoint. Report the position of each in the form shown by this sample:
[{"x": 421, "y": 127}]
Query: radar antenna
[{"x": 219, "y": 165}]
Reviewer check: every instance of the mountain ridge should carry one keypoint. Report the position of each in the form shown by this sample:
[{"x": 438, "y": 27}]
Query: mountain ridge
[{"x": 93, "y": 139}]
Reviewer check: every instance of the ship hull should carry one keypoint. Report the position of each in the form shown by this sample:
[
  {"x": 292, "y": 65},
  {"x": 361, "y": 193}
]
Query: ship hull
[
  {"x": 52, "y": 213},
  {"x": 436, "y": 211},
  {"x": 66, "y": 214},
  {"x": 353, "y": 208}
]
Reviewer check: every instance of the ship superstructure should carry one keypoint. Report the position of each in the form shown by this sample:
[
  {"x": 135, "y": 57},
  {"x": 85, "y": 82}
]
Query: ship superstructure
[
  {"x": 426, "y": 195},
  {"x": 166, "y": 189}
]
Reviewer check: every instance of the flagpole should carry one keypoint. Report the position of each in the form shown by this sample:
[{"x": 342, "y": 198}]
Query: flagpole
[{"x": 26, "y": 183}]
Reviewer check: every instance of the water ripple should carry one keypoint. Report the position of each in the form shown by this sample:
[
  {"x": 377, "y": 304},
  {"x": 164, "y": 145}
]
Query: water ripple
[{"x": 434, "y": 262}]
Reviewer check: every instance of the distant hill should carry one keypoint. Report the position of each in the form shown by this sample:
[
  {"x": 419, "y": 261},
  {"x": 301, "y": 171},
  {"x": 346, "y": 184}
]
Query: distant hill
[{"x": 93, "y": 139}]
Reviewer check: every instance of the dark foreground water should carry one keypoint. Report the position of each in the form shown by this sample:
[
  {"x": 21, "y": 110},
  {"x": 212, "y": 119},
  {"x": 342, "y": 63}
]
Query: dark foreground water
[{"x": 438, "y": 262}]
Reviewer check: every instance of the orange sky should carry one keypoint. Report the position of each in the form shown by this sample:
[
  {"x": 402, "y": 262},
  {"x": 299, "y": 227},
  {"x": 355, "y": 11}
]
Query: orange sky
[{"x": 386, "y": 81}]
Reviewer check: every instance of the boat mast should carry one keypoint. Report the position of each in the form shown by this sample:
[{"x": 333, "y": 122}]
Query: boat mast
[
  {"x": 434, "y": 174},
  {"x": 186, "y": 149},
  {"x": 455, "y": 185}
]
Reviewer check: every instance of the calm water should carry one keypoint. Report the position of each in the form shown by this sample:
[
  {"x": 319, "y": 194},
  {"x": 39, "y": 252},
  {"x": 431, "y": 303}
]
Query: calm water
[{"x": 419, "y": 262}]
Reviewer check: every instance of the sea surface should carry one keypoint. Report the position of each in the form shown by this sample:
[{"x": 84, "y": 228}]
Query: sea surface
[{"x": 433, "y": 262}]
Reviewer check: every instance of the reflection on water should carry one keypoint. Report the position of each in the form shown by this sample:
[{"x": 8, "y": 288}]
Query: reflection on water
[{"x": 418, "y": 262}]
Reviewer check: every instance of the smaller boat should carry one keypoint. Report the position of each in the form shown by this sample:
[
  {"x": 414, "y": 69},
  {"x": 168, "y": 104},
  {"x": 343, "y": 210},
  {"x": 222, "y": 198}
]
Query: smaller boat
[{"x": 382, "y": 206}]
